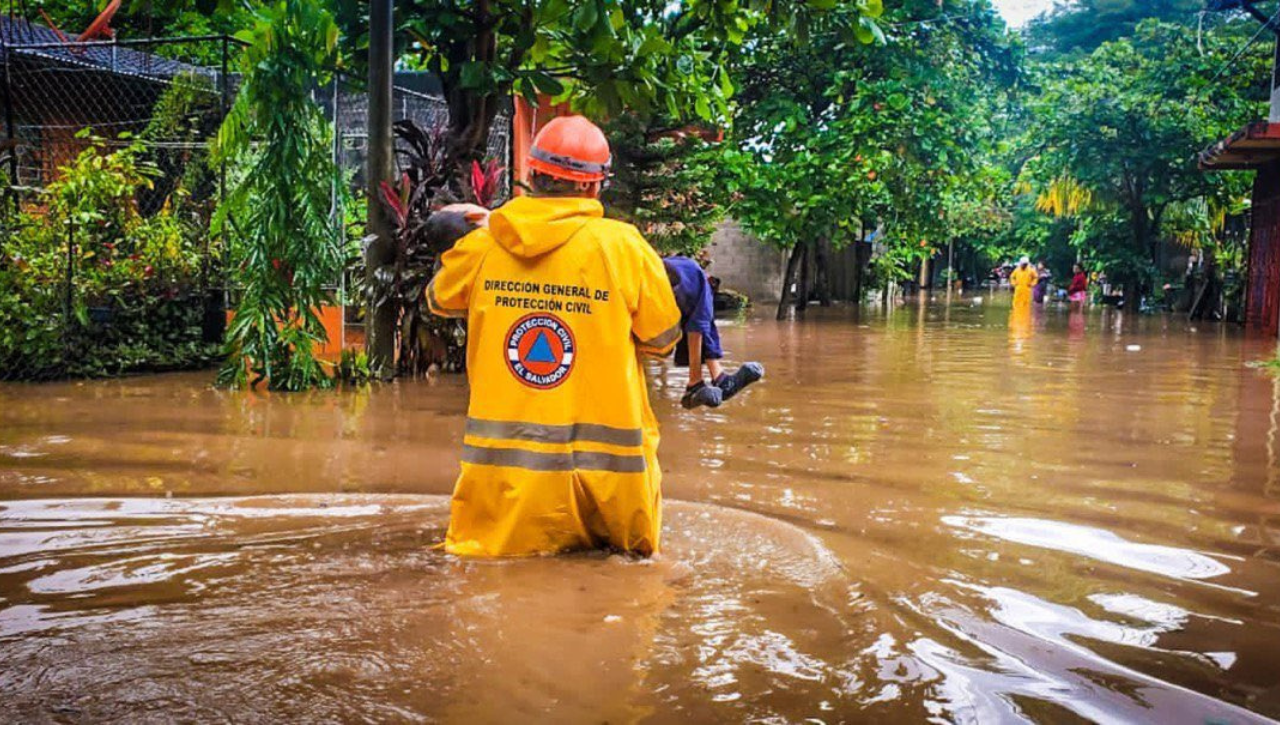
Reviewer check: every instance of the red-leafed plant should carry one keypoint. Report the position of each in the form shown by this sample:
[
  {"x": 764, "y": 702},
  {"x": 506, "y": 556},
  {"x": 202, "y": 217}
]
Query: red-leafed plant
[
  {"x": 486, "y": 181},
  {"x": 429, "y": 179}
]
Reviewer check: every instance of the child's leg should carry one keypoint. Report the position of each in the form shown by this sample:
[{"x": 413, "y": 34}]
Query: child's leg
[
  {"x": 714, "y": 369},
  {"x": 730, "y": 384},
  {"x": 699, "y": 392},
  {"x": 695, "y": 356}
]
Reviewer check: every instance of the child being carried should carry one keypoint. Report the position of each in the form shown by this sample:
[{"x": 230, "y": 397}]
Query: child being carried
[
  {"x": 694, "y": 297},
  {"x": 701, "y": 341}
]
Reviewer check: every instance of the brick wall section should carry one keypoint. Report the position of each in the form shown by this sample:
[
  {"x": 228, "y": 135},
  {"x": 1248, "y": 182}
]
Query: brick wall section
[{"x": 746, "y": 265}]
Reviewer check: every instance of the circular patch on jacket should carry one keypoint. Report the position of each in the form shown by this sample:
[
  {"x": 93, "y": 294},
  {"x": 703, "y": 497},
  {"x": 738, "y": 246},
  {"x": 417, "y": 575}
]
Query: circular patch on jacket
[{"x": 540, "y": 350}]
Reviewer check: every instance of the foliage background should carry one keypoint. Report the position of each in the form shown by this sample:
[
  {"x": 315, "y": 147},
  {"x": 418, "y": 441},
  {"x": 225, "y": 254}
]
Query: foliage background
[
  {"x": 287, "y": 250},
  {"x": 927, "y": 122},
  {"x": 90, "y": 287}
]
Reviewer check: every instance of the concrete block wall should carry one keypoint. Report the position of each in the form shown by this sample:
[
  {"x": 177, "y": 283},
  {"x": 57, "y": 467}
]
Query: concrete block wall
[{"x": 745, "y": 264}]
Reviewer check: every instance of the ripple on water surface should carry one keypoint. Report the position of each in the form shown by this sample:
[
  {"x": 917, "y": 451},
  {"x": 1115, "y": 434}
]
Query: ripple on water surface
[
  {"x": 925, "y": 519},
  {"x": 337, "y": 607}
]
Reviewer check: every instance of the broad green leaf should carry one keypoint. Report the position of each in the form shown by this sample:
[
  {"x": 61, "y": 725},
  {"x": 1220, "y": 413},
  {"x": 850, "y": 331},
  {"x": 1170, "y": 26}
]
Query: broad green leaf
[
  {"x": 863, "y": 33},
  {"x": 547, "y": 84},
  {"x": 586, "y": 16}
]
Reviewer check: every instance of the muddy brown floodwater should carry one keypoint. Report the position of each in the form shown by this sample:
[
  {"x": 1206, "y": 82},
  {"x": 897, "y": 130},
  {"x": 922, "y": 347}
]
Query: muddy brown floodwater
[{"x": 930, "y": 514}]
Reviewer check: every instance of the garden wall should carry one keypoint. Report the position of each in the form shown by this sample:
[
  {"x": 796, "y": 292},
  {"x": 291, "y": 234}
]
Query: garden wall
[{"x": 746, "y": 265}]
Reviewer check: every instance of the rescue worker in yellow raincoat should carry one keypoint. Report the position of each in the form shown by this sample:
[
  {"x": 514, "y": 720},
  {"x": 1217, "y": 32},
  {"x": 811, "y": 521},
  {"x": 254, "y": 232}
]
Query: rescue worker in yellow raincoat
[
  {"x": 1023, "y": 280},
  {"x": 560, "y": 450}
]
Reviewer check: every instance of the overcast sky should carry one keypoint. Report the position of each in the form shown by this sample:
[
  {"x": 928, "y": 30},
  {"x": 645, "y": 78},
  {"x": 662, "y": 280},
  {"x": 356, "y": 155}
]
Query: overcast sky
[{"x": 1018, "y": 12}]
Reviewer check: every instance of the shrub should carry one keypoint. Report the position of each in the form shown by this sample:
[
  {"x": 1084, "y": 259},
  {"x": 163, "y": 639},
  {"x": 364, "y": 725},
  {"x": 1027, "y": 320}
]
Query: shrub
[
  {"x": 89, "y": 287},
  {"x": 286, "y": 245}
]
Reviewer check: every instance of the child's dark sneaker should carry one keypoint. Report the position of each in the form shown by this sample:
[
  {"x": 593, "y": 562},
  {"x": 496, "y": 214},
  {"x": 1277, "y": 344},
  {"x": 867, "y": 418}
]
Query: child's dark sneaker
[
  {"x": 701, "y": 394},
  {"x": 731, "y": 385}
]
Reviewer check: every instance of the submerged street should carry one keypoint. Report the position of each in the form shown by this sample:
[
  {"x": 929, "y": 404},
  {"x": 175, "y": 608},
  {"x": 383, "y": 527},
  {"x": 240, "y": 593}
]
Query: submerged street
[{"x": 940, "y": 512}]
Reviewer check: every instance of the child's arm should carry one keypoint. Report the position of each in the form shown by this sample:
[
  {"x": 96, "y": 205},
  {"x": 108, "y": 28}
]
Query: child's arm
[{"x": 695, "y": 356}]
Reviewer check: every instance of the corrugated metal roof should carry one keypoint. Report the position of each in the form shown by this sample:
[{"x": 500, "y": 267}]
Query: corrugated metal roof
[
  {"x": 1250, "y": 148},
  {"x": 34, "y": 41}
]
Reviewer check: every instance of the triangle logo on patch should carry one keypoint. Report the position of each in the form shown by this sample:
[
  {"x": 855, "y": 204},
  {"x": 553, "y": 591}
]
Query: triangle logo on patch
[{"x": 541, "y": 350}]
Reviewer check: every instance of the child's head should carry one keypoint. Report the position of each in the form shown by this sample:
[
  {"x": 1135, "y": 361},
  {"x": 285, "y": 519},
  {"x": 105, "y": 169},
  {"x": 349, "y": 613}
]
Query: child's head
[{"x": 452, "y": 222}]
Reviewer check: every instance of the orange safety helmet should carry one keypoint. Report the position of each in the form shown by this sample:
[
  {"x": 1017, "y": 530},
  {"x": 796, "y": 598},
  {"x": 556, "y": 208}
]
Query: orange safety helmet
[{"x": 571, "y": 148}]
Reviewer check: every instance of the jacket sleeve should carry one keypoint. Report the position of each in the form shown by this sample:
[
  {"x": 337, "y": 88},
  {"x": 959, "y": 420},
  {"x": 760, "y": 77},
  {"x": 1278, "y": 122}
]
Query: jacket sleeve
[
  {"x": 449, "y": 291},
  {"x": 655, "y": 320}
]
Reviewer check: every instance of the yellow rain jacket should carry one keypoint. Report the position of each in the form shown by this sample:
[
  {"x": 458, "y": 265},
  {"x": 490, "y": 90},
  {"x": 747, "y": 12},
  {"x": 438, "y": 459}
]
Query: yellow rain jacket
[
  {"x": 1023, "y": 280},
  {"x": 560, "y": 450}
]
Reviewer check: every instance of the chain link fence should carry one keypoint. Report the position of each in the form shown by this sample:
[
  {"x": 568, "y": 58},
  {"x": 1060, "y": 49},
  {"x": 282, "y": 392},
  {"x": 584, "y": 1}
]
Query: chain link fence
[
  {"x": 106, "y": 258},
  {"x": 141, "y": 286},
  {"x": 413, "y": 98}
]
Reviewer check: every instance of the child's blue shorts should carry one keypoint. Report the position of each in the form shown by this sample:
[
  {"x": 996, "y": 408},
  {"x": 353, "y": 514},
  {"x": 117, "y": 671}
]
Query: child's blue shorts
[{"x": 710, "y": 345}]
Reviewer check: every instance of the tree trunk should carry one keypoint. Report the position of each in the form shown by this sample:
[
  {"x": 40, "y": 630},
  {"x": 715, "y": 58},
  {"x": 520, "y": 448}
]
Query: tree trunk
[
  {"x": 822, "y": 261},
  {"x": 1133, "y": 294},
  {"x": 857, "y": 272},
  {"x": 1133, "y": 284},
  {"x": 380, "y": 326},
  {"x": 951, "y": 266},
  {"x": 471, "y": 118},
  {"x": 1217, "y": 300},
  {"x": 857, "y": 265},
  {"x": 471, "y": 112},
  {"x": 806, "y": 267},
  {"x": 787, "y": 280},
  {"x": 1208, "y": 297}
]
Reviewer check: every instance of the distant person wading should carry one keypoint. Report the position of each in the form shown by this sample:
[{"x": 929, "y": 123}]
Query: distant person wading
[
  {"x": 1078, "y": 291},
  {"x": 560, "y": 450},
  {"x": 1023, "y": 280}
]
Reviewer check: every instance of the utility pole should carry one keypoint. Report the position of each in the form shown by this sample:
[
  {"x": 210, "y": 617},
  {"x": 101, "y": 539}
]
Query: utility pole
[
  {"x": 1273, "y": 113},
  {"x": 951, "y": 263},
  {"x": 380, "y": 322}
]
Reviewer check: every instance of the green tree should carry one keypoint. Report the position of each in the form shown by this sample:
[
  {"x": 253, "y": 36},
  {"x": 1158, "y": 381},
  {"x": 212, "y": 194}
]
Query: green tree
[
  {"x": 137, "y": 19},
  {"x": 1077, "y": 27},
  {"x": 1115, "y": 133},
  {"x": 666, "y": 181},
  {"x": 284, "y": 243},
  {"x": 834, "y": 138},
  {"x": 645, "y": 56}
]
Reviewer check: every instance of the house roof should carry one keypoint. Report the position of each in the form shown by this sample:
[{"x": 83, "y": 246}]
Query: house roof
[
  {"x": 27, "y": 40},
  {"x": 1248, "y": 149}
]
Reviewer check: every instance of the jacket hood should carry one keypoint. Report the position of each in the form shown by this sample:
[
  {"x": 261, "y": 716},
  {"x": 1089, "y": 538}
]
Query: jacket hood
[{"x": 529, "y": 226}]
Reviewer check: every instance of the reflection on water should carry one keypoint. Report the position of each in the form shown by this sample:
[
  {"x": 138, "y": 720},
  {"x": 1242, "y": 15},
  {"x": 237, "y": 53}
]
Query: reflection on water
[
  {"x": 1097, "y": 544},
  {"x": 934, "y": 513}
]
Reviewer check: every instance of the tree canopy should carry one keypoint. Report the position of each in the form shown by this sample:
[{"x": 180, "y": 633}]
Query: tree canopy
[
  {"x": 1113, "y": 137},
  {"x": 928, "y": 122},
  {"x": 643, "y": 56},
  {"x": 837, "y": 138},
  {"x": 1075, "y": 27}
]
